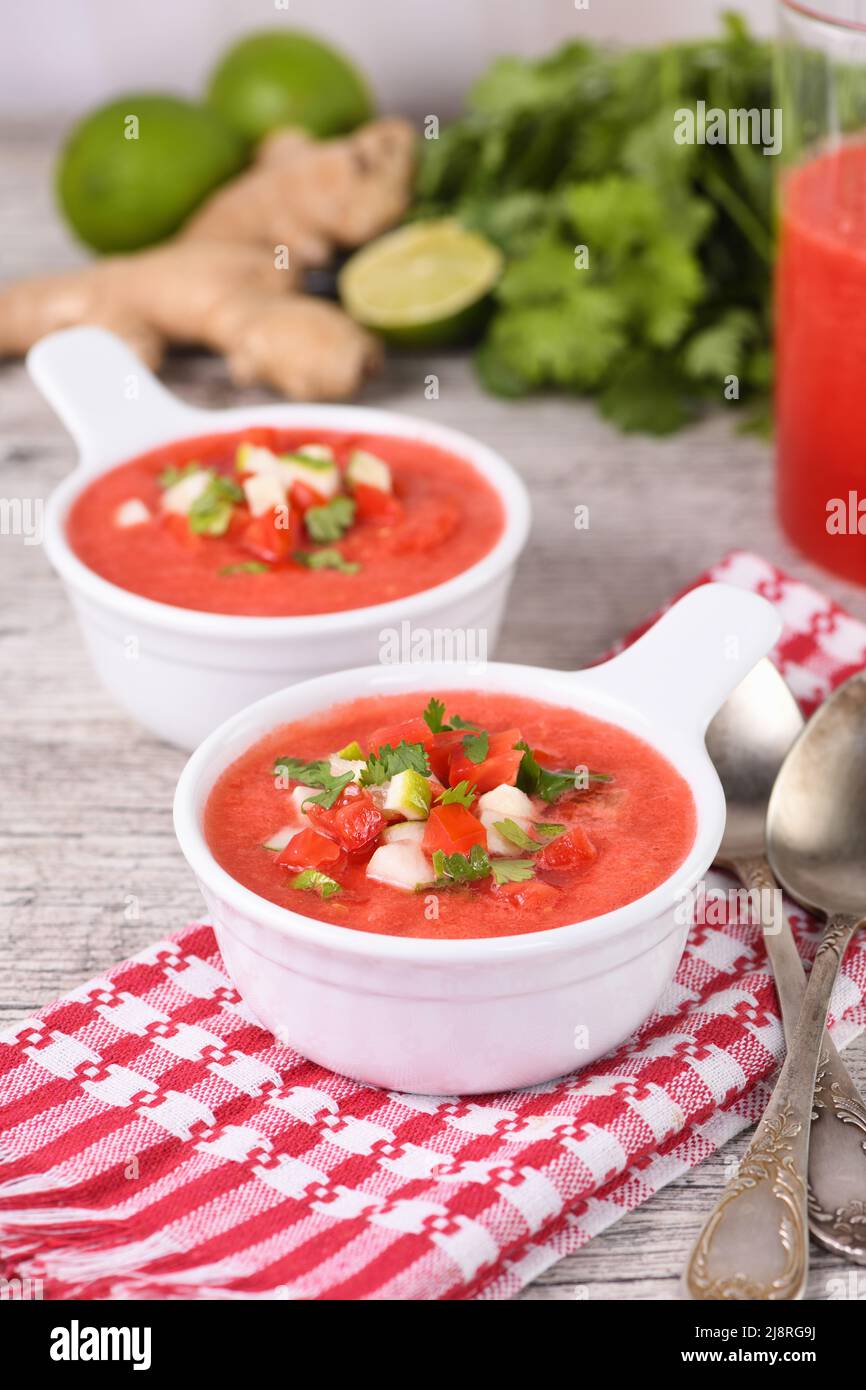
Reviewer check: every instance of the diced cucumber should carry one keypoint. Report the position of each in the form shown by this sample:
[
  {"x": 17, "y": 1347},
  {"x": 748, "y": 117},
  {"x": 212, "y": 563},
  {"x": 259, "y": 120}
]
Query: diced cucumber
[
  {"x": 179, "y": 498},
  {"x": 413, "y": 830},
  {"x": 370, "y": 470},
  {"x": 410, "y": 795},
  {"x": 280, "y": 838},
  {"x": 323, "y": 452},
  {"x": 133, "y": 512},
  {"x": 322, "y": 475},
  {"x": 352, "y": 751},
  {"x": 402, "y": 865},
  {"x": 507, "y": 802},
  {"x": 264, "y": 492}
]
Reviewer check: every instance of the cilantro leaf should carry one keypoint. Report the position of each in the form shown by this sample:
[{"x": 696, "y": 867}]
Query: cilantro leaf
[
  {"x": 434, "y": 715},
  {"x": 512, "y": 870},
  {"x": 510, "y": 830},
  {"x": 315, "y": 774},
  {"x": 463, "y": 795},
  {"x": 317, "y": 881},
  {"x": 476, "y": 746},
  {"x": 455, "y": 870},
  {"x": 169, "y": 476},
  {"x": 331, "y": 520},
  {"x": 386, "y": 762},
  {"x": 248, "y": 567},
  {"x": 536, "y": 780},
  {"x": 211, "y": 511},
  {"x": 455, "y": 722},
  {"x": 326, "y": 560}
]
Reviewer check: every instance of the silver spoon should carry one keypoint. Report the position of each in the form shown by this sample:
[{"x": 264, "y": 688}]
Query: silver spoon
[
  {"x": 754, "y": 1245},
  {"x": 748, "y": 741}
]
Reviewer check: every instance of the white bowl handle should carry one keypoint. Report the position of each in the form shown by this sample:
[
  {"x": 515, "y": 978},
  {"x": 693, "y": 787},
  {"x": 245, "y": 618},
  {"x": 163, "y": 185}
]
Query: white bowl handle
[
  {"x": 111, "y": 403},
  {"x": 686, "y": 665}
]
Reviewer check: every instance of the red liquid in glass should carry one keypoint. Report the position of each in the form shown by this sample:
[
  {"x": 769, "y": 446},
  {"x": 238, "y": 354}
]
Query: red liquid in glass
[{"x": 821, "y": 360}]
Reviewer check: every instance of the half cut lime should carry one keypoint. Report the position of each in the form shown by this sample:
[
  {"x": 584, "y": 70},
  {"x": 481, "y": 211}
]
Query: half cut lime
[{"x": 425, "y": 284}]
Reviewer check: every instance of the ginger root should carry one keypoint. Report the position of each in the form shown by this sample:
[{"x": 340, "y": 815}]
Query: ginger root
[
  {"x": 223, "y": 284},
  {"x": 311, "y": 196}
]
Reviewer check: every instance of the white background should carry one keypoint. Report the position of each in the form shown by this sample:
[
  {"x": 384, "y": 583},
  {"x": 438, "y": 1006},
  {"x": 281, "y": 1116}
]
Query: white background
[{"x": 63, "y": 56}]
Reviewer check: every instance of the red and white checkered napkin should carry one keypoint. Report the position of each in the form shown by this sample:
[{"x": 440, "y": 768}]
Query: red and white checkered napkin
[{"x": 154, "y": 1141}]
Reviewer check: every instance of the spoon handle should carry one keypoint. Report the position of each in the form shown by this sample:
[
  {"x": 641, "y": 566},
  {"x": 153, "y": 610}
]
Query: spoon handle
[
  {"x": 836, "y": 1192},
  {"x": 755, "y": 1245}
]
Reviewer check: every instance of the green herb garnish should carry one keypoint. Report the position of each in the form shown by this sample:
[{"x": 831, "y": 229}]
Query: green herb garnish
[
  {"x": 317, "y": 881},
  {"x": 315, "y": 774},
  {"x": 169, "y": 476},
  {"x": 386, "y": 762},
  {"x": 248, "y": 567},
  {"x": 326, "y": 560},
  {"x": 536, "y": 780},
  {"x": 512, "y": 870},
  {"x": 211, "y": 512},
  {"x": 476, "y": 746},
  {"x": 454, "y": 870},
  {"x": 434, "y": 718},
  {"x": 463, "y": 794},
  {"x": 331, "y": 520}
]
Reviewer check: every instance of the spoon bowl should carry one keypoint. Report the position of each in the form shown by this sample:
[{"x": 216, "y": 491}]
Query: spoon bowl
[
  {"x": 747, "y": 742},
  {"x": 816, "y": 818}
]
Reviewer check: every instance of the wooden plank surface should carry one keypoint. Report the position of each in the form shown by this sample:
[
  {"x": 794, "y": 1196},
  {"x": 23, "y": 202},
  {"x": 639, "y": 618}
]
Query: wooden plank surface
[{"x": 89, "y": 868}]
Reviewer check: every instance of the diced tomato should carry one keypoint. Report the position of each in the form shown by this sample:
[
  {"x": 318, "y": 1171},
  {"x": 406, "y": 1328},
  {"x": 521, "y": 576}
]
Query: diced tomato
[
  {"x": 439, "y": 752},
  {"x": 409, "y": 731},
  {"x": 238, "y": 523},
  {"x": 178, "y": 527},
  {"x": 268, "y": 537},
  {"x": 354, "y": 821},
  {"x": 453, "y": 829},
  {"x": 303, "y": 497},
  {"x": 568, "y": 851},
  {"x": 532, "y": 894},
  {"x": 373, "y": 504},
  {"x": 310, "y": 850},
  {"x": 500, "y": 766}
]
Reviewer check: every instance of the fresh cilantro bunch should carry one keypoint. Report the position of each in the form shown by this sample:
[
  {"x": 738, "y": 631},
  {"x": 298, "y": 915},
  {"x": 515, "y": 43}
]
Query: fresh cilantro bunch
[{"x": 577, "y": 150}]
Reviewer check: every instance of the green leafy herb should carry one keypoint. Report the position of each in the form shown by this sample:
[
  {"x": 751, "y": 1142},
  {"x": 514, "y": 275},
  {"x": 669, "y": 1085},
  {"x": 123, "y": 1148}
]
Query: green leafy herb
[
  {"x": 315, "y": 774},
  {"x": 317, "y": 881},
  {"x": 169, "y": 476},
  {"x": 331, "y": 520},
  {"x": 248, "y": 567},
  {"x": 536, "y": 780},
  {"x": 454, "y": 870},
  {"x": 547, "y": 830},
  {"x": 463, "y": 794},
  {"x": 211, "y": 511},
  {"x": 434, "y": 718},
  {"x": 326, "y": 560},
  {"x": 512, "y": 870},
  {"x": 510, "y": 830},
  {"x": 476, "y": 746},
  {"x": 386, "y": 762},
  {"x": 637, "y": 267},
  {"x": 434, "y": 714}
]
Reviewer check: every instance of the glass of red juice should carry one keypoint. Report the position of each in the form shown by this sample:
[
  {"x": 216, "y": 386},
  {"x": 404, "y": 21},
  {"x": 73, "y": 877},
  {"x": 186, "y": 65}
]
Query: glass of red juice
[{"x": 821, "y": 284}]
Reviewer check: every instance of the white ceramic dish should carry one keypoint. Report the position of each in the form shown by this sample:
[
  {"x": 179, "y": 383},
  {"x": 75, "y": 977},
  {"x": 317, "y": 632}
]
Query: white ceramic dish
[
  {"x": 181, "y": 672},
  {"x": 434, "y": 1016}
]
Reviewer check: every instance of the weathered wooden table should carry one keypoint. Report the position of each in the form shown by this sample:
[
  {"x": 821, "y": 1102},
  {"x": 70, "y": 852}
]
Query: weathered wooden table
[{"x": 90, "y": 868}]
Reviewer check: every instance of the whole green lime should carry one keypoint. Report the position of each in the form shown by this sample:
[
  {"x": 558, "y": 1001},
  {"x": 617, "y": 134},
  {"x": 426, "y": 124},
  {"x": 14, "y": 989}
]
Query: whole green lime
[
  {"x": 132, "y": 171},
  {"x": 282, "y": 77}
]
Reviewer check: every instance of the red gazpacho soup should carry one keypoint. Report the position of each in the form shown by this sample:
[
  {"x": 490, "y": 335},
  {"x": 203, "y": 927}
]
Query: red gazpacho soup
[
  {"x": 473, "y": 815},
  {"x": 278, "y": 523}
]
